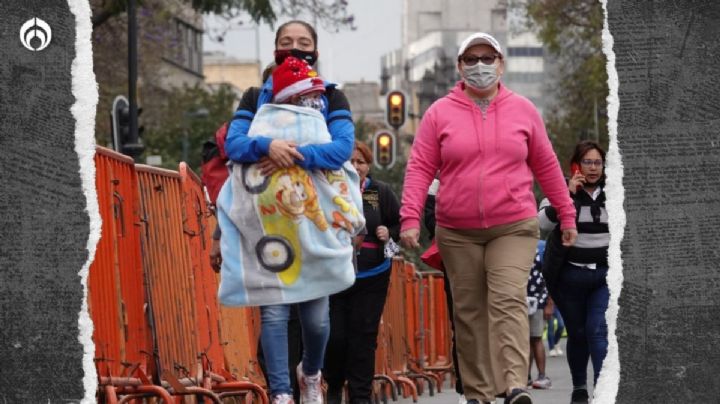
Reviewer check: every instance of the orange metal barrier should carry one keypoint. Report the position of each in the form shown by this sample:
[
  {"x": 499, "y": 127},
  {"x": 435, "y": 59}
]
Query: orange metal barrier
[
  {"x": 198, "y": 236},
  {"x": 393, "y": 341},
  {"x": 152, "y": 293},
  {"x": 116, "y": 296},
  {"x": 414, "y": 338},
  {"x": 168, "y": 271}
]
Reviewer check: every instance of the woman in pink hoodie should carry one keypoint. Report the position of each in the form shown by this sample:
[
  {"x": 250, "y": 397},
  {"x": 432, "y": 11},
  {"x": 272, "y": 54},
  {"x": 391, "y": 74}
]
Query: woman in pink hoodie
[{"x": 488, "y": 144}]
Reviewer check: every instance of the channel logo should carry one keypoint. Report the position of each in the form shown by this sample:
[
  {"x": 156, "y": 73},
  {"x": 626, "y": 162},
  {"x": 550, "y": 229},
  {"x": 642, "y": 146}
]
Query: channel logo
[{"x": 35, "y": 34}]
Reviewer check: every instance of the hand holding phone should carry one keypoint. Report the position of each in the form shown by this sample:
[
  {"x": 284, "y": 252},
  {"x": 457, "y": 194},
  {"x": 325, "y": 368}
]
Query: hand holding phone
[{"x": 577, "y": 179}]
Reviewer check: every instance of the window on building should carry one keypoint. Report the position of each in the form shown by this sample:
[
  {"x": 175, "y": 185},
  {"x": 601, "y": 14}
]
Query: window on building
[{"x": 188, "y": 53}]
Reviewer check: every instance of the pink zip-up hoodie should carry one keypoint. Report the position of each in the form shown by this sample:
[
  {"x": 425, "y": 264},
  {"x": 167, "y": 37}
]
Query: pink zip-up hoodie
[{"x": 486, "y": 162}]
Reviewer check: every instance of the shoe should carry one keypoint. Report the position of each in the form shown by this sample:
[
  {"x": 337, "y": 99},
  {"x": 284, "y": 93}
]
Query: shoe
[
  {"x": 310, "y": 387},
  {"x": 283, "y": 399},
  {"x": 579, "y": 396},
  {"x": 529, "y": 382},
  {"x": 462, "y": 399},
  {"x": 542, "y": 383},
  {"x": 553, "y": 352},
  {"x": 518, "y": 396},
  {"x": 559, "y": 350}
]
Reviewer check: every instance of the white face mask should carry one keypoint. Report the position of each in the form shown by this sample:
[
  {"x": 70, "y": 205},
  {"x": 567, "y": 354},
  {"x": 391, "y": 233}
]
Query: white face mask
[
  {"x": 315, "y": 103},
  {"x": 480, "y": 76}
]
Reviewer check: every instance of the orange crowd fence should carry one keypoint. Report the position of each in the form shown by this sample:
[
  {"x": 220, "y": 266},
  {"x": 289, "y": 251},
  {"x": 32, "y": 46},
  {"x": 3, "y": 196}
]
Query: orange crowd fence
[{"x": 159, "y": 330}]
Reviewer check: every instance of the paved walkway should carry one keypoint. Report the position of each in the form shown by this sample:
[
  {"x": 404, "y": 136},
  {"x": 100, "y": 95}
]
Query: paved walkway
[{"x": 556, "y": 369}]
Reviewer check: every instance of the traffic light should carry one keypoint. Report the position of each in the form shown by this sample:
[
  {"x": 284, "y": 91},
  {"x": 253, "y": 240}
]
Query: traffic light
[
  {"x": 122, "y": 138},
  {"x": 384, "y": 149},
  {"x": 396, "y": 109}
]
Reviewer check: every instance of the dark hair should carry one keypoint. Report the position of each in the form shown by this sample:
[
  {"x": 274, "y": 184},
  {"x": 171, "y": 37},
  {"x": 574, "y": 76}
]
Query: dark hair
[
  {"x": 364, "y": 150},
  {"x": 307, "y": 26},
  {"x": 268, "y": 71},
  {"x": 582, "y": 148}
]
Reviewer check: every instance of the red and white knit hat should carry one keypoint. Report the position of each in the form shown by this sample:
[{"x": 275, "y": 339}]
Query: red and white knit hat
[{"x": 295, "y": 77}]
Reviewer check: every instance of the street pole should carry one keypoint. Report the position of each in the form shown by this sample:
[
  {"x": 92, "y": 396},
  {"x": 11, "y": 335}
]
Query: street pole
[{"x": 134, "y": 149}]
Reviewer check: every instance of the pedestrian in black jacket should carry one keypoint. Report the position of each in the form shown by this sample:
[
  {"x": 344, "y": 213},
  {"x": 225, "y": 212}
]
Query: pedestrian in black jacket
[
  {"x": 355, "y": 313},
  {"x": 581, "y": 292}
]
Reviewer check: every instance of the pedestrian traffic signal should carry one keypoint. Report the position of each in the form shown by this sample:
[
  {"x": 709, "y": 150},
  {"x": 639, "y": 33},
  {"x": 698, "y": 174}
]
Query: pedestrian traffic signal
[
  {"x": 384, "y": 149},
  {"x": 396, "y": 109}
]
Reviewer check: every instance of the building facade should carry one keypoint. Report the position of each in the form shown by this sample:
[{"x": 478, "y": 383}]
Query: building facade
[{"x": 426, "y": 65}]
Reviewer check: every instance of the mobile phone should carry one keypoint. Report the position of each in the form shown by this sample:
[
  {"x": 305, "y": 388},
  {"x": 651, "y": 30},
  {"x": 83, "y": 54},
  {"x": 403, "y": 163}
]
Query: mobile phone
[{"x": 575, "y": 169}]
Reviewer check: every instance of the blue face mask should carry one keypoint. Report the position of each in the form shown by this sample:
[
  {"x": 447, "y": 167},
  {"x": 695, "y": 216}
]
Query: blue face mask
[{"x": 315, "y": 103}]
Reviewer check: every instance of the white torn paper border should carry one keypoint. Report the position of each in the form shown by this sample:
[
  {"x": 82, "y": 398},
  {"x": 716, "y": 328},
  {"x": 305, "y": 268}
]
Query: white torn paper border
[
  {"x": 84, "y": 89},
  {"x": 608, "y": 382}
]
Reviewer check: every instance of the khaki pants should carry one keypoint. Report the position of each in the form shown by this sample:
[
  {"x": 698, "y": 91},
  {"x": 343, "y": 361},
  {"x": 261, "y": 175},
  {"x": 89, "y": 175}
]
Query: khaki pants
[{"x": 488, "y": 272}]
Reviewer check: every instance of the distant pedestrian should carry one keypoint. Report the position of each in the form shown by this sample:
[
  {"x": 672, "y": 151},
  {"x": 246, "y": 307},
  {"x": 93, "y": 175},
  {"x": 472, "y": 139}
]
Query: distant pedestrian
[
  {"x": 582, "y": 292},
  {"x": 538, "y": 310},
  {"x": 488, "y": 144}
]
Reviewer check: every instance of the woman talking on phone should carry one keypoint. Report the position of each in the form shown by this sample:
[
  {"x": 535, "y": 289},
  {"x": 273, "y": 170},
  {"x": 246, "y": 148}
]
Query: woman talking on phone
[{"x": 581, "y": 292}]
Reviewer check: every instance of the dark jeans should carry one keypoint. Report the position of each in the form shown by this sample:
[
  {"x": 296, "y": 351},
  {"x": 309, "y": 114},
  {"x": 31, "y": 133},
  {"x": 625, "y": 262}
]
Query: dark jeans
[
  {"x": 354, "y": 319},
  {"x": 582, "y": 296},
  {"x": 456, "y": 364}
]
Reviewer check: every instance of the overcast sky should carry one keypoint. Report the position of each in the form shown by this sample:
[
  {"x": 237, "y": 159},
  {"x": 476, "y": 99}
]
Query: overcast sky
[{"x": 344, "y": 56}]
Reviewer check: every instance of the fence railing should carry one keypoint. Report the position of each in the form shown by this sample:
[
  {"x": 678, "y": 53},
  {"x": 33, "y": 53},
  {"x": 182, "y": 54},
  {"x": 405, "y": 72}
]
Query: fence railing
[{"x": 158, "y": 327}]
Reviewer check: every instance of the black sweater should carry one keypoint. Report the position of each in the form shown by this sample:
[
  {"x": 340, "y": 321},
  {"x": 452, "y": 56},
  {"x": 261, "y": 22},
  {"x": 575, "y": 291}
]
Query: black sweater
[{"x": 381, "y": 208}]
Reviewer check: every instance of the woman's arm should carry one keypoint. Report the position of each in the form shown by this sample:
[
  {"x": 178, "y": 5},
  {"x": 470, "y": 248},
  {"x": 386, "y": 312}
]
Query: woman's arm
[
  {"x": 342, "y": 130},
  {"x": 421, "y": 168},
  {"x": 238, "y": 146},
  {"x": 545, "y": 166},
  {"x": 547, "y": 216}
]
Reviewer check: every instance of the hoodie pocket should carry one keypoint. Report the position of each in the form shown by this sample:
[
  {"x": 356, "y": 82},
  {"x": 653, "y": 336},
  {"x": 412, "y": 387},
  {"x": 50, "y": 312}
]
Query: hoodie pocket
[
  {"x": 458, "y": 200},
  {"x": 515, "y": 195}
]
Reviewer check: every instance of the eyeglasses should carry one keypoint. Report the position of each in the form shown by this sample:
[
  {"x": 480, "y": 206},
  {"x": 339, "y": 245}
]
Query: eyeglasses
[
  {"x": 590, "y": 163},
  {"x": 472, "y": 60}
]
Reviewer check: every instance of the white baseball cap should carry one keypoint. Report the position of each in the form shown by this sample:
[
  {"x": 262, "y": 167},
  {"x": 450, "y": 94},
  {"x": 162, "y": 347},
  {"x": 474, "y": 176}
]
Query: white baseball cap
[{"x": 480, "y": 38}]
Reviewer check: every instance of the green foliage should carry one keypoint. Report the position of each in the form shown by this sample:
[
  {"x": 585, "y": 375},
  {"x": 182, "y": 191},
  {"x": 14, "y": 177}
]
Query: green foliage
[
  {"x": 165, "y": 135},
  {"x": 571, "y": 31},
  {"x": 329, "y": 13}
]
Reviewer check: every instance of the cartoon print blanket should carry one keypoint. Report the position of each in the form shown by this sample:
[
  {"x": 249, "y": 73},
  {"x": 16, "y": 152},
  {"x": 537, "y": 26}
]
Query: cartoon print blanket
[{"x": 287, "y": 238}]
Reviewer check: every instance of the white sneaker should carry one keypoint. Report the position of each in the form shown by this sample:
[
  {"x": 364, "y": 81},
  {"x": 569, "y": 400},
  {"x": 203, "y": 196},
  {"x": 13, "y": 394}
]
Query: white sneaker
[
  {"x": 462, "y": 399},
  {"x": 310, "y": 387},
  {"x": 553, "y": 352},
  {"x": 283, "y": 399}
]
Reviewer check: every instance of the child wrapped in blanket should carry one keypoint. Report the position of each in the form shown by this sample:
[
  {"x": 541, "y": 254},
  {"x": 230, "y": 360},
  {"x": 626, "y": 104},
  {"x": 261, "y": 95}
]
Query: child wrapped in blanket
[{"x": 287, "y": 236}]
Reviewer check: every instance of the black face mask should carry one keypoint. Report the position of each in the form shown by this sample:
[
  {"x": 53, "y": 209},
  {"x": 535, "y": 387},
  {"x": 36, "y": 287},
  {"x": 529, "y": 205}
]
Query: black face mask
[{"x": 309, "y": 57}]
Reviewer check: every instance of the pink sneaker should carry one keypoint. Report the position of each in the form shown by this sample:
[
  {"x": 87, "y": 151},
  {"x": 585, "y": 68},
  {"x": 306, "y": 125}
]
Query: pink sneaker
[
  {"x": 283, "y": 399},
  {"x": 310, "y": 387}
]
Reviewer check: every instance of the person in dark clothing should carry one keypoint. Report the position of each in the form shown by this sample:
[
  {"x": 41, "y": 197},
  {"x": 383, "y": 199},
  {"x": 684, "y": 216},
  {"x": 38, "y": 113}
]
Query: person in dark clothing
[
  {"x": 355, "y": 313},
  {"x": 582, "y": 292},
  {"x": 429, "y": 222}
]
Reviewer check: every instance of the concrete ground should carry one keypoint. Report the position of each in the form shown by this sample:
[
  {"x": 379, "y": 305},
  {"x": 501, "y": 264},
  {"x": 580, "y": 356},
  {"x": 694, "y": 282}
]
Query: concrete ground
[{"x": 556, "y": 369}]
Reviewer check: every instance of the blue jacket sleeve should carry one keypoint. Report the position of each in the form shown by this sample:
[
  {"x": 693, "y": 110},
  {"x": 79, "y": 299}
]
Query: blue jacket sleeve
[
  {"x": 238, "y": 146},
  {"x": 342, "y": 130}
]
